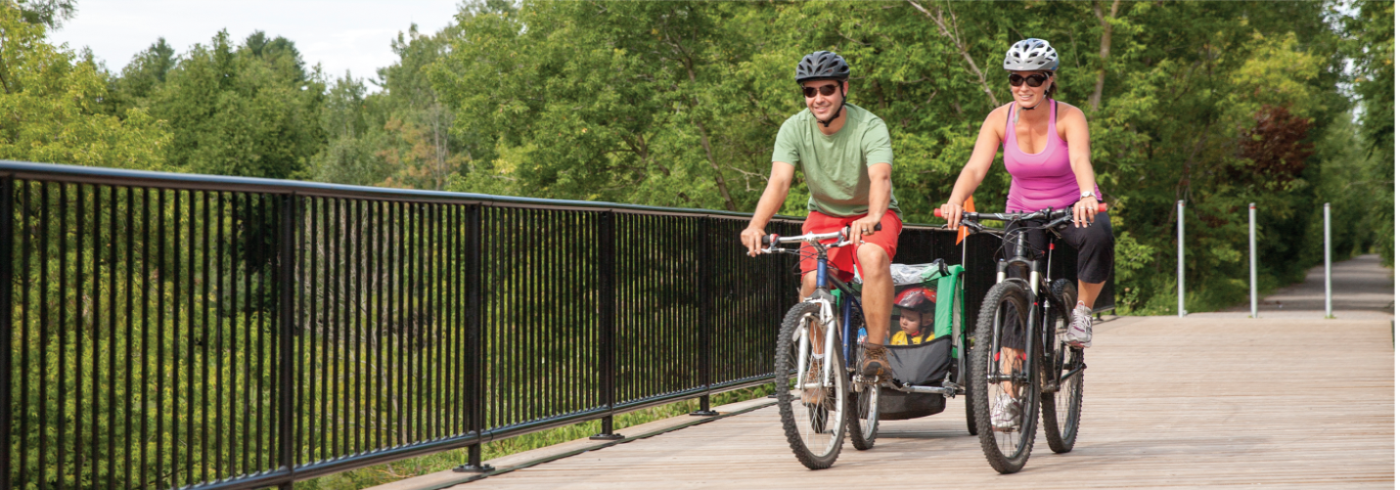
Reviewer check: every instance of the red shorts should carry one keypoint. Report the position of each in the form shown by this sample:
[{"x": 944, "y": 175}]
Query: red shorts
[{"x": 843, "y": 258}]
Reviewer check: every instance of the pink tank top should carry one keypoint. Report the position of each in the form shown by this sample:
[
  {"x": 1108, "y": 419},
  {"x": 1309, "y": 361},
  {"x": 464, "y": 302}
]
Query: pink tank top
[{"x": 1042, "y": 179}]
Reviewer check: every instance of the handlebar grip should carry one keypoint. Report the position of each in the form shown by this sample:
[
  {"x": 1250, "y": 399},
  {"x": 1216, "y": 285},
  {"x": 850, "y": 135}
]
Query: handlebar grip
[
  {"x": 768, "y": 240},
  {"x": 878, "y": 226},
  {"x": 1103, "y": 207},
  {"x": 938, "y": 213}
]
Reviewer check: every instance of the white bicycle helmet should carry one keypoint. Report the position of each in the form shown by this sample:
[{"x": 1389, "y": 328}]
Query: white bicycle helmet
[{"x": 1031, "y": 55}]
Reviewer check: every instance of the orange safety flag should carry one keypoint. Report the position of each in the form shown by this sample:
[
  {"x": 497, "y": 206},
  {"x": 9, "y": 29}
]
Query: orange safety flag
[{"x": 970, "y": 207}]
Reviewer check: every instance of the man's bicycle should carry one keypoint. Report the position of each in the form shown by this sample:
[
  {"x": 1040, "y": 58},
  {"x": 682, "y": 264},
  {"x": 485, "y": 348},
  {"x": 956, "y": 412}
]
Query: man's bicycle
[
  {"x": 816, "y": 360},
  {"x": 1024, "y": 373}
]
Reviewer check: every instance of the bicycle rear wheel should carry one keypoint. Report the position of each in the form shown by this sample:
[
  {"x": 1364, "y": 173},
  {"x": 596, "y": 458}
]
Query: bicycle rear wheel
[
  {"x": 1006, "y": 307},
  {"x": 815, "y": 424},
  {"x": 1062, "y": 407}
]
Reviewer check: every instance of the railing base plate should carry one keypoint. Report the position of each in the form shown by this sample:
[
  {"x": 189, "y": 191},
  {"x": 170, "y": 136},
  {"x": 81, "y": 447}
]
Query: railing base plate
[
  {"x": 605, "y": 437},
  {"x": 704, "y": 413},
  {"x": 474, "y": 468}
]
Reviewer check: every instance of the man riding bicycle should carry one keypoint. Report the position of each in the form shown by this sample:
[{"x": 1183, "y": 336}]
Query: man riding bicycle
[{"x": 846, "y": 158}]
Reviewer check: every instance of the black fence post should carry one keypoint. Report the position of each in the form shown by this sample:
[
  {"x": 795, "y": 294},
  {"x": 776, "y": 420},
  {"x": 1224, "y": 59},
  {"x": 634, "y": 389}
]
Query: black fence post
[
  {"x": 7, "y": 278},
  {"x": 286, "y": 263},
  {"x": 706, "y": 324},
  {"x": 606, "y": 322},
  {"x": 476, "y": 419}
]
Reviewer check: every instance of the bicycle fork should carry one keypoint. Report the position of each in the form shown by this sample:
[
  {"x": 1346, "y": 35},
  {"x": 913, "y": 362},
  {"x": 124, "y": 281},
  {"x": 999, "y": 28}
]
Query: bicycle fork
[{"x": 804, "y": 349}]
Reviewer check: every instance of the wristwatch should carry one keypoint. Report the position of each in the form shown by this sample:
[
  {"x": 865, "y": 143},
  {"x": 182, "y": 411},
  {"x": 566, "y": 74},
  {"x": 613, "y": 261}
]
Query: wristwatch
[{"x": 1085, "y": 194}]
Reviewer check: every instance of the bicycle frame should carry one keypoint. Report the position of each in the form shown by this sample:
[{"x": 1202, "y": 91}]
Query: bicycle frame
[{"x": 849, "y": 304}]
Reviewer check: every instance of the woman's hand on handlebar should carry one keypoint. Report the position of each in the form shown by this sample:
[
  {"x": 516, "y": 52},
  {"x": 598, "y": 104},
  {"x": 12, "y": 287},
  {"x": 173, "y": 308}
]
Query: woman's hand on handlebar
[
  {"x": 753, "y": 239},
  {"x": 951, "y": 212},
  {"x": 1085, "y": 210}
]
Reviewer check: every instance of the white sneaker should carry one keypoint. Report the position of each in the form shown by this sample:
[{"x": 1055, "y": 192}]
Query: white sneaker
[
  {"x": 1006, "y": 412},
  {"x": 1081, "y": 327}
]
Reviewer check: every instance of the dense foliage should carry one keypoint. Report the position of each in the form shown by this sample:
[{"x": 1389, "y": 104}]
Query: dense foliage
[{"x": 1220, "y": 104}]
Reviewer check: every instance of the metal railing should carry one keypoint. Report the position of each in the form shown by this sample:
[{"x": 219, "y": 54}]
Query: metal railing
[{"x": 172, "y": 330}]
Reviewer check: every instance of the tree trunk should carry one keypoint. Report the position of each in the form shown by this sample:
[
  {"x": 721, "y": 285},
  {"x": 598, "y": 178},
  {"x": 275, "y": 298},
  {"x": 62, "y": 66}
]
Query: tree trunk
[
  {"x": 1104, "y": 41},
  {"x": 957, "y": 42}
]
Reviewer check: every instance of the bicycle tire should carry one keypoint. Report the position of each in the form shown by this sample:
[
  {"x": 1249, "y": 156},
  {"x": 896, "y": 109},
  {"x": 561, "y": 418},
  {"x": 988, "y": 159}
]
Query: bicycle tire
[
  {"x": 964, "y": 354},
  {"x": 1006, "y": 451},
  {"x": 864, "y": 411},
  {"x": 814, "y": 432},
  {"x": 1062, "y": 408}
]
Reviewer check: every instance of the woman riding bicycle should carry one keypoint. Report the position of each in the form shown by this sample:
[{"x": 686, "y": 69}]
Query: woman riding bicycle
[{"x": 1045, "y": 145}]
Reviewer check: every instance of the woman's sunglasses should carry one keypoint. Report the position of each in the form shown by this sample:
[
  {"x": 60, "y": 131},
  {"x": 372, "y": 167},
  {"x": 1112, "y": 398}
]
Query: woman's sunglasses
[
  {"x": 1033, "y": 80},
  {"x": 824, "y": 89}
]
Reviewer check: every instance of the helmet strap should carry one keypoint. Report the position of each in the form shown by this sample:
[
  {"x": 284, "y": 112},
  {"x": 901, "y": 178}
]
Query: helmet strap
[
  {"x": 1017, "y": 118},
  {"x": 827, "y": 123}
]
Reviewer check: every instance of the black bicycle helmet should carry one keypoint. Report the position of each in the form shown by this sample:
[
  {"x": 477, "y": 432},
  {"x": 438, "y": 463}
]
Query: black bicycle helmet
[{"x": 822, "y": 65}]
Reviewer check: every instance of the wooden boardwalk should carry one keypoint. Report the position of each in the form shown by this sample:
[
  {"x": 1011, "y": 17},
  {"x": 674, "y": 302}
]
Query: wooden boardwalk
[{"x": 1168, "y": 403}]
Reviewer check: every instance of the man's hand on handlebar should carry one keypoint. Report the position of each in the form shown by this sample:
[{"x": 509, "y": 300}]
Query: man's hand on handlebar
[
  {"x": 951, "y": 212},
  {"x": 862, "y": 227},
  {"x": 753, "y": 239}
]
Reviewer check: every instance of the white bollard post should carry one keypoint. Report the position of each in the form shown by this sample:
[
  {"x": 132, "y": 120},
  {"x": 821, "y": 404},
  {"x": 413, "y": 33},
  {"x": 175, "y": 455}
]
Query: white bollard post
[
  {"x": 1253, "y": 269},
  {"x": 1181, "y": 258},
  {"x": 1327, "y": 255}
]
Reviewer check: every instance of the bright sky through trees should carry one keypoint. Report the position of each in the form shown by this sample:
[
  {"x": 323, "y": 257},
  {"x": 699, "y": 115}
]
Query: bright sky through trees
[{"x": 339, "y": 34}]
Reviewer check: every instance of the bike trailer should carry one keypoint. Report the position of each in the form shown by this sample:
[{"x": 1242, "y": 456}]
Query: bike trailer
[{"x": 932, "y": 362}]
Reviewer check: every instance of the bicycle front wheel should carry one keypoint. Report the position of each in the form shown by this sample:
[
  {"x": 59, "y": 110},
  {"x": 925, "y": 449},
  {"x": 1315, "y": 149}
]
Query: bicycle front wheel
[
  {"x": 811, "y": 396},
  {"x": 1002, "y": 381}
]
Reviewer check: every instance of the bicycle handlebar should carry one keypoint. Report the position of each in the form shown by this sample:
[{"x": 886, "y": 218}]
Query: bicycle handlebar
[
  {"x": 769, "y": 240},
  {"x": 1043, "y": 214}
]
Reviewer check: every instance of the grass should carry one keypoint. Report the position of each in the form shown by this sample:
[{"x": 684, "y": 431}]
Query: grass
[{"x": 408, "y": 468}]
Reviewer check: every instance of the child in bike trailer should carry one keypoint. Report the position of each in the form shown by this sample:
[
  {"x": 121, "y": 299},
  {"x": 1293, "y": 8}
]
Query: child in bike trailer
[
  {"x": 915, "y": 307},
  {"x": 845, "y": 155},
  {"x": 1046, "y": 150}
]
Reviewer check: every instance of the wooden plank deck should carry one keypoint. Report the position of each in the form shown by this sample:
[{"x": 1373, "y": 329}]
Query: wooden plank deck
[{"x": 1169, "y": 402}]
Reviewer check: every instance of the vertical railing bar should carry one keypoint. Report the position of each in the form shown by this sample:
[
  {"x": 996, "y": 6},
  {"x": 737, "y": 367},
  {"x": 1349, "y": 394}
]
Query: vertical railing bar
[
  {"x": 707, "y": 327},
  {"x": 326, "y": 323},
  {"x": 160, "y": 337},
  {"x": 299, "y": 329},
  {"x": 62, "y": 406},
  {"x": 520, "y": 270},
  {"x": 606, "y": 257},
  {"x": 250, "y": 229},
  {"x": 421, "y": 239},
  {"x": 435, "y": 305},
  {"x": 130, "y": 306},
  {"x": 536, "y": 319},
  {"x": 44, "y": 333},
  {"x": 235, "y": 317},
  {"x": 400, "y": 362},
  {"x": 260, "y": 327},
  {"x": 221, "y": 276},
  {"x": 96, "y": 327},
  {"x": 342, "y": 279},
  {"x": 204, "y": 340},
  {"x": 145, "y": 328},
  {"x": 381, "y": 252},
  {"x": 111, "y": 384},
  {"x": 26, "y": 343},
  {"x": 7, "y": 280},
  {"x": 286, "y": 307},
  {"x": 356, "y": 340},
  {"x": 189, "y": 347}
]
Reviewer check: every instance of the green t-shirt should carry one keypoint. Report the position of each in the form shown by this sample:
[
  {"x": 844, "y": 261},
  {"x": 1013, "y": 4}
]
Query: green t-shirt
[{"x": 835, "y": 166}]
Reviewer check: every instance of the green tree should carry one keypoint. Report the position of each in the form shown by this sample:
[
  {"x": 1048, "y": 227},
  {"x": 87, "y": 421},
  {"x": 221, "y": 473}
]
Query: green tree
[
  {"x": 51, "y": 105},
  {"x": 249, "y": 110}
]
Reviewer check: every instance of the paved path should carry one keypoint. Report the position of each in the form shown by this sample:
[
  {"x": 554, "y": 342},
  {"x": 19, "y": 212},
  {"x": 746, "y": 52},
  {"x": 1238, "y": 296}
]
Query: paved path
[
  {"x": 1361, "y": 289},
  {"x": 1169, "y": 402}
]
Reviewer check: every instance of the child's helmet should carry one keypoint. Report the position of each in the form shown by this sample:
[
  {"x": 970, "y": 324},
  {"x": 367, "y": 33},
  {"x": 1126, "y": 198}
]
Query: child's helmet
[{"x": 918, "y": 299}]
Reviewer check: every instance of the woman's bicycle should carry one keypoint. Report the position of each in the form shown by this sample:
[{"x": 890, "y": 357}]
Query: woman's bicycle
[
  {"x": 1024, "y": 374},
  {"x": 816, "y": 362}
]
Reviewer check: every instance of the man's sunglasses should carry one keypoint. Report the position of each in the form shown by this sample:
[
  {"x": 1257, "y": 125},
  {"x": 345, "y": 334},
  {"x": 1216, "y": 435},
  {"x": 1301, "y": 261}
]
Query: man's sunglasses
[
  {"x": 1033, "y": 80},
  {"x": 824, "y": 89}
]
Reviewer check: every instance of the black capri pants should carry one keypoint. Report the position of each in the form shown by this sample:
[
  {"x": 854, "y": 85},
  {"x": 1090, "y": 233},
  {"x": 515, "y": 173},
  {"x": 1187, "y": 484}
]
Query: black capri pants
[{"x": 1094, "y": 244}]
